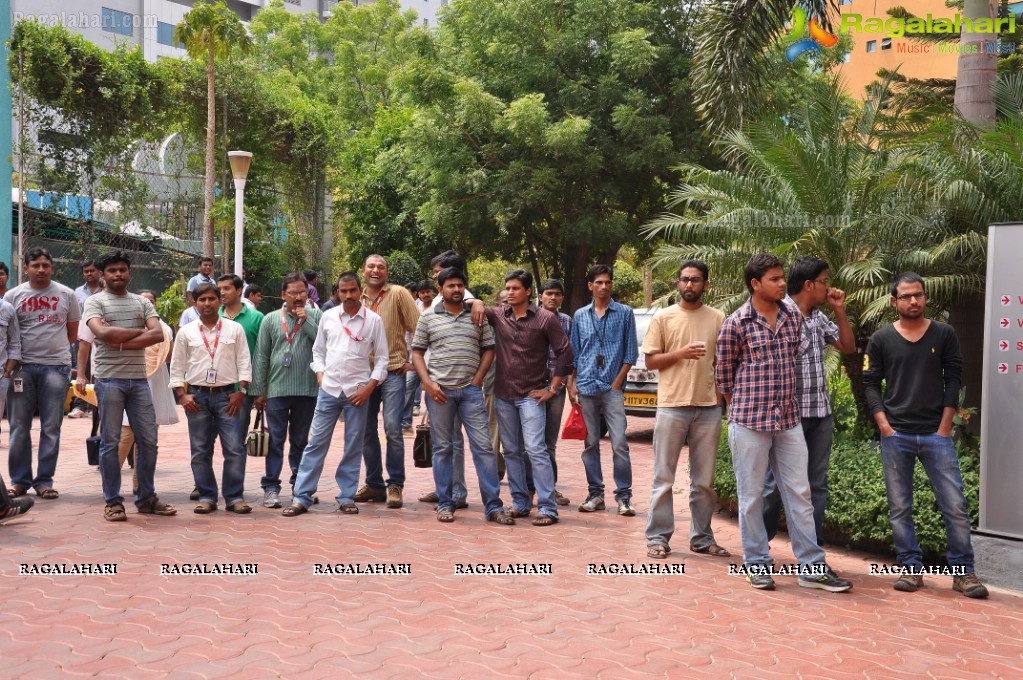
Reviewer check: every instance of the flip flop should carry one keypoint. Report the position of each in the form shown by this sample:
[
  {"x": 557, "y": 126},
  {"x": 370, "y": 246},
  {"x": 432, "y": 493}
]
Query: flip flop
[
  {"x": 348, "y": 508},
  {"x": 658, "y": 552},
  {"x": 713, "y": 549},
  {"x": 544, "y": 521},
  {"x": 295, "y": 510}
]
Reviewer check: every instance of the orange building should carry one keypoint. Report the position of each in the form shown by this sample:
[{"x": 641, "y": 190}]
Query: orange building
[{"x": 874, "y": 51}]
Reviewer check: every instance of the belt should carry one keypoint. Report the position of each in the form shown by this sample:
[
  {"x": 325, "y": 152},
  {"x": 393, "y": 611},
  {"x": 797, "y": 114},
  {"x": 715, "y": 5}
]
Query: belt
[{"x": 213, "y": 389}]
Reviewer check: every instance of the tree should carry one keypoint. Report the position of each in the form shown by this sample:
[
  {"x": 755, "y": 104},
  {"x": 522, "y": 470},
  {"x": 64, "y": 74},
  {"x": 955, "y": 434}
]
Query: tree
[{"x": 208, "y": 32}]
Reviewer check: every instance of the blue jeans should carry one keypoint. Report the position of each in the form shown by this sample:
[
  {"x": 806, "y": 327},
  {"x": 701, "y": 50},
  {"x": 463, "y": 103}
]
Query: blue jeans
[
  {"x": 392, "y": 393},
  {"x": 467, "y": 404},
  {"x": 204, "y": 426},
  {"x": 117, "y": 396},
  {"x": 328, "y": 408},
  {"x": 938, "y": 456},
  {"x": 611, "y": 405},
  {"x": 413, "y": 396},
  {"x": 286, "y": 418},
  {"x": 818, "y": 433},
  {"x": 555, "y": 408},
  {"x": 45, "y": 389},
  {"x": 676, "y": 426},
  {"x": 785, "y": 452},
  {"x": 522, "y": 423}
]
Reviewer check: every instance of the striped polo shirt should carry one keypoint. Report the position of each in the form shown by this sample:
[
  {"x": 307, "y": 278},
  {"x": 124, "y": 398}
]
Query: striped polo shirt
[
  {"x": 455, "y": 345},
  {"x": 270, "y": 377}
]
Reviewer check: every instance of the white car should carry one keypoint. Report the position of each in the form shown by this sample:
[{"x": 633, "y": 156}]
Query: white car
[{"x": 641, "y": 383}]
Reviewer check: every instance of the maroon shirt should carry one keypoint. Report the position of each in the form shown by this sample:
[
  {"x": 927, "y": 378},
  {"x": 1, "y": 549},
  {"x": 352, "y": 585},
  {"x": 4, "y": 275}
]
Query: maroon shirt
[{"x": 522, "y": 346}]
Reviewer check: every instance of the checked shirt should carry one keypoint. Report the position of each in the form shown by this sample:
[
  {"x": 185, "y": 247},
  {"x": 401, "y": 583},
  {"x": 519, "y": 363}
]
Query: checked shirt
[{"x": 811, "y": 383}]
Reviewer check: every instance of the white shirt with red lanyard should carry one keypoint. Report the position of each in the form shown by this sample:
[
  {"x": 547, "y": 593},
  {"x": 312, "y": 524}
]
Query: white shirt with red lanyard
[
  {"x": 350, "y": 350},
  {"x": 212, "y": 357}
]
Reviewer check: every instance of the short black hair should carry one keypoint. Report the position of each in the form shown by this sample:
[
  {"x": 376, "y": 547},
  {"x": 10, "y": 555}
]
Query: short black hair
[
  {"x": 522, "y": 276},
  {"x": 412, "y": 287},
  {"x": 291, "y": 277},
  {"x": 4, "y": 269},
  {"x": 349, "y": 276},
  {"x": 428, "y": 284},
  {"x": 805, "y": 268},
  {"x": 907, "y": 277},
  {"x": 110, "y": 258},
  {"x": 695, "y": 264},
  {"x": 551, "y": 284},
  {"x": 205, "y": 288},
  {"x": 757, "y": 266},
  {"x": 89, "y": 263},
  {"x": 598, "y": 269},
  {"x": 447, "y": 259},
  {"x": 310, "y": 275},
  {"x": 333, "y": 289},
  {"x": 36, "y": 253},
  {"x": 205, "y": 259},
  {"x": 452, "y": 273},
  {"x": 253, "y": 289},
  {"x": 146, "y": 290},
  {"x": 235, "y": 280}
]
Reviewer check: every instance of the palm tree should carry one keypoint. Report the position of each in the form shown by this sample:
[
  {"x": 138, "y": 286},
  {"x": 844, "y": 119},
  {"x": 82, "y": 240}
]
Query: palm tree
[
  {"x": 208, "y": 32},
  {"x": 825, "y": 182}
]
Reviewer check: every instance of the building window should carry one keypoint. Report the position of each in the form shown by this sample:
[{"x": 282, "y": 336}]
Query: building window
[
  {"x": 847, "y": 58},
  {"x": 117, "y": 22},
  {"x": 165, "y": 35},
  {"x": 872, "y": 46},
  {"x": 845, "y": 2},
  {"x": 886, "y": 43}
]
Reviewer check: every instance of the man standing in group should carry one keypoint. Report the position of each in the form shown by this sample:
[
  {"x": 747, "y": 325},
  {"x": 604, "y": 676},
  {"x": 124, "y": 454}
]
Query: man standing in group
[
  {"x": 349, "y": 359},
  {"x": 398, "y": 311},
  {"x": 334, "y": 300},
  {"x": 552, "y": 295},
  {"x": 212, "y": 357},
  {"x": 283, "y": 385},
  {"x": 232, "y": 307},
  {"x": 460, "y": 355},
  {"x": 604, "y": 345},
  {"x": 204, "y": 275},
  {"x": 920, "y": 363},
  {"x": 688, "y": 412},
  {"x": 523, "y": 333},
  {"x": 124, "y": 325},
  {"x": 48, "y": 315},
  {"x": 756, "y": 373},
  {"x": 809, "y": 288}
]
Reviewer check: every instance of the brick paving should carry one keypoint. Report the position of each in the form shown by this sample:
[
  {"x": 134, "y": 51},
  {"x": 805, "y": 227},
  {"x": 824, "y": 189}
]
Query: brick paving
[{"x": 288, "y": 622}]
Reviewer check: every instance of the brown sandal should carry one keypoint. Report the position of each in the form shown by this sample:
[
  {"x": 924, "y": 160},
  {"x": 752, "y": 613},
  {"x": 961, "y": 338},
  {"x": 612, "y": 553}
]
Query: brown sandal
[
  {"x": 204, "y": 508},
  {"x": 500, "y": 517},
  {"x": 240, "y": 508},
  {"x": 115, "y": 513},
  {"x": 348, "y": 508},
  {"x": 445, "y": 515},
  {"x": 48, "y": 492},
  {"x": 658, "y": 552},
  {"x": 544, "y": 520},
  {"x": 16, "y": 490},
  {"x": 154, "y": 506}
]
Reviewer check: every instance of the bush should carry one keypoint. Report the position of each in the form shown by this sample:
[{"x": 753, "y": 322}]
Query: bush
[
  {"x": 857, "y": 510},
  {"x": 402, "y": 268}
]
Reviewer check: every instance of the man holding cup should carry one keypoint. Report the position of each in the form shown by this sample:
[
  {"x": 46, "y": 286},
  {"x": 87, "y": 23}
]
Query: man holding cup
[{"x": 688, "y": 412}]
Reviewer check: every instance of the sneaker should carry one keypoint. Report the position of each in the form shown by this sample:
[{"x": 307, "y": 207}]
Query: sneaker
[
  {"x": 828, "y": 581},
  {"x": 272, "y": 499},
  {"x": 370, "y": 494},
  {"x": 429, "y": 497},
  {"x": 761, "y": 580},
  {"x": 194, "y": 496},
  {"x": 394, "y": 496},
  {"x": 15, "y": 507},
  {"x": 560, "y": 499},
  {"x": 625, "y": 508},
  {"x": 969, "y": 585},
  {"x": 909, "y": 583},
  {"x": 77, "y": 412},
  {"x": 592, "y": 504}
]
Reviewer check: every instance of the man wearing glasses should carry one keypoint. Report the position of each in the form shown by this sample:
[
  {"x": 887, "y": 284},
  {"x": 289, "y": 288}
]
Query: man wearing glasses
[
  {"x": 808, "y": 289},
  {"x": 921, "y": 365}
]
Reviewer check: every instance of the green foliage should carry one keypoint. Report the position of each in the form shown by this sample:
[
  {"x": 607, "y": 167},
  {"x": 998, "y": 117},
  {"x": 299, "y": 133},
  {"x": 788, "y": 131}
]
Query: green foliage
[
  {"x": 628, "y": 284},
  {"x": 486, "y": 275},
  {"x": 171, "y": 303},
  {"x": 402, "y": 268}
]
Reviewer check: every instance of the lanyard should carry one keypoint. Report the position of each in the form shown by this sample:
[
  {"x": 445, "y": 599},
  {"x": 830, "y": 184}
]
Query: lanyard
[
  {"x": 216, "y": 341},
  {"x": 376, "y": 303},
  {"x": 284, "y": 323},
  {"x": 602, "y": 331},
  {"x": 355, "y": 337}
]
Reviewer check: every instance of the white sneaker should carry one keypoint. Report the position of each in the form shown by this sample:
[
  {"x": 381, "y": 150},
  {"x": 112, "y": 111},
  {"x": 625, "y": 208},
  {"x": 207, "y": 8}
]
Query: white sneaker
[
  {"x": 272, "y": 499},
  {"x": 77, "y": 413}
]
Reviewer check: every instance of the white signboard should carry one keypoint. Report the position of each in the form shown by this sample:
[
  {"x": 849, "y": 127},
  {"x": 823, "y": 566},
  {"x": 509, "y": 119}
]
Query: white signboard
[{"x": 1001, "y": 424}]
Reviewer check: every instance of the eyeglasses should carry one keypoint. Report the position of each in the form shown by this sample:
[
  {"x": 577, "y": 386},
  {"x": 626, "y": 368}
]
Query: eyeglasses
[
  {"x": 824, "y": 282},
  {"x": 906, "y": 297},
  {"x": 304, "y": 293},
  {"x": 684, "y": 280}
]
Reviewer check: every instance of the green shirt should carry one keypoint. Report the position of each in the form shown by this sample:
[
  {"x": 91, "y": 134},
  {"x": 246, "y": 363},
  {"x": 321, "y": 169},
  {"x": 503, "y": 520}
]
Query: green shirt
[
  {"x": 249, "y": 318},
  {"x": 270, "y": 378}
]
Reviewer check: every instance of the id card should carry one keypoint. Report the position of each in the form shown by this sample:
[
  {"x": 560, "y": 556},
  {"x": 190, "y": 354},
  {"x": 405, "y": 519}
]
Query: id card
[
  {"x": 286, "y": 359},
  {"x": 211, "y": 376},
  {"x": 19, "y": 384}
]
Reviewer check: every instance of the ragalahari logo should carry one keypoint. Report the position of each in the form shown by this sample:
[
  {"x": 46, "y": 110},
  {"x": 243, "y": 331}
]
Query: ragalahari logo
[{"x": 818, "y": 36}]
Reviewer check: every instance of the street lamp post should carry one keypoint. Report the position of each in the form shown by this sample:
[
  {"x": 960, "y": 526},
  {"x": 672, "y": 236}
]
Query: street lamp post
[{"x": 240, "y": 162}]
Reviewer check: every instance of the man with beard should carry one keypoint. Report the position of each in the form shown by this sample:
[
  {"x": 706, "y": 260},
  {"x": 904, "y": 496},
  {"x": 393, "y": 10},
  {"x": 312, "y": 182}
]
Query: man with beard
[
  {"x": 756, "y": 373},
  {"x": 921, "y": 365},
  {"x": 460, "y": 355},
  {"x": 688, "y": 412}
]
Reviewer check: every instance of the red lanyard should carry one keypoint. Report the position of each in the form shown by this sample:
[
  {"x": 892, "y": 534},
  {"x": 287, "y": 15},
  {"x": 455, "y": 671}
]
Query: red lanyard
[
  {"x": 216, "y": 341},
  {"x": 376, "y": 303},
  {"x": 284, "y": 323},
  {"x": 356, "y": 338}
]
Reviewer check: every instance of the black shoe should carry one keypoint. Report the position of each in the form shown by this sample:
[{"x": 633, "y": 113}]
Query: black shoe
[
  {"x": 828, "y": 581},
  {"x": 15, "y": 507},
  {"x": 194, "y": 496}
]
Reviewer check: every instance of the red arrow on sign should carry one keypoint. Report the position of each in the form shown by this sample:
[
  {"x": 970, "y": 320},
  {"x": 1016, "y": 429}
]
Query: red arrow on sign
[
  {"x": 1006, "y": 300},
  {"x": 1003, "y": 368},
  {"x": 1003, "y": 322},
  {"x": 1003, "y": 345}
]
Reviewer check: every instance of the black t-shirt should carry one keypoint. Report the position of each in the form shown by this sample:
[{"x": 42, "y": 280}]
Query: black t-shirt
[{"x": 921, "y": 378}]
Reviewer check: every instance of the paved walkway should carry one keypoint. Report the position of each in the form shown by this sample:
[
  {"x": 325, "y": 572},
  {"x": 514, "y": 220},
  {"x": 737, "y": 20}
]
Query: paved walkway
[{"x": 288, "y": 622}]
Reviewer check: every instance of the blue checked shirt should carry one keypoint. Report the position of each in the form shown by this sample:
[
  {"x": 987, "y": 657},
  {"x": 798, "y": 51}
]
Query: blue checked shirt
[
  {"x": 613, "y": 337},
  {"x": 756, "y": 367},
  {"x": 552, "y": 359},
  {"x": 811, "y": 383}
]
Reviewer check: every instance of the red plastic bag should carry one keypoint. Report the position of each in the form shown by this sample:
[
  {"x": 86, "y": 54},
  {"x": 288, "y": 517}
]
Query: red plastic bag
[{"x": 575, "y": 426}]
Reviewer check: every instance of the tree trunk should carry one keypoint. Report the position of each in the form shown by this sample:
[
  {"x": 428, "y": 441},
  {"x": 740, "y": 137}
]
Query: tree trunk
[
  {"x": 211, "y": 167},
  {"x": 325, "y": 227},
  {"x": 577, "y": 294},
  {"x": 976, "y": 72},
  {"x": 648, "y": 286},
  {"x": 853, "y": 365}
]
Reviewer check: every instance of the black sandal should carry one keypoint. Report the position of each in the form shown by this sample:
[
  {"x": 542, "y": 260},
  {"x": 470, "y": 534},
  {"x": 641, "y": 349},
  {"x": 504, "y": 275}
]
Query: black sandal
[
  {"x": 294, "y": 510},
  {"x": 544, "y": 521}
]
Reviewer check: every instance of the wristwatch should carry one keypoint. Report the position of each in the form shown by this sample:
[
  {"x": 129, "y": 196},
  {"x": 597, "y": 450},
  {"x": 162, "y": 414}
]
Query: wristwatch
[{"x": 243, "y": 390}]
